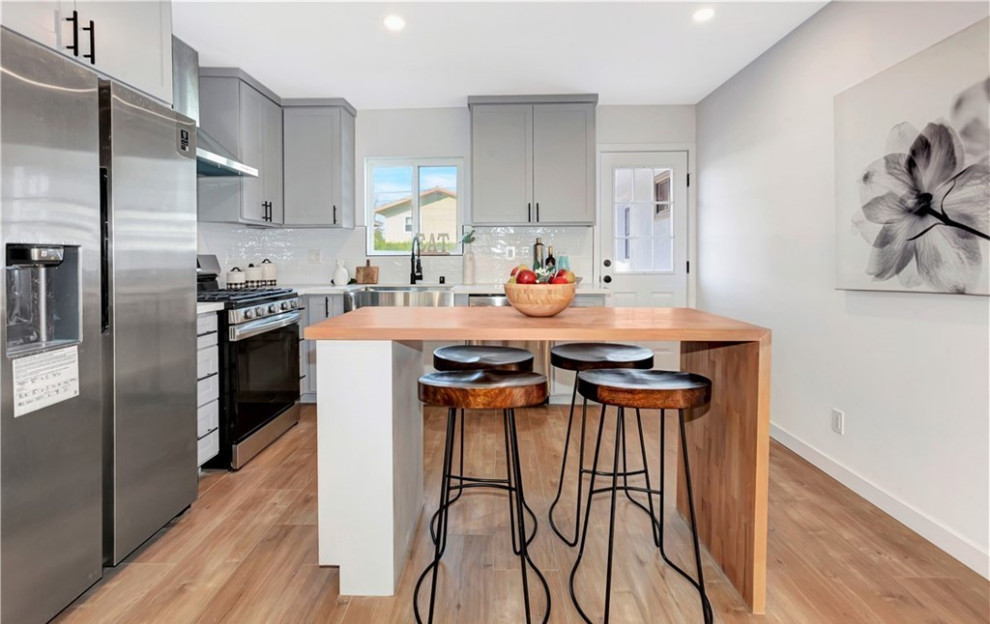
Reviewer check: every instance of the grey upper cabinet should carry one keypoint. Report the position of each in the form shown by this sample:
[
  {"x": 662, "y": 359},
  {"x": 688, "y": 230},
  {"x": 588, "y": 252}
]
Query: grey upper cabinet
[
  {"x": 246, "y": 118},
  {"x": 128, "y": 41},
  {"x": 319, "y": 163},
  {"x": 533, "y": 159}
]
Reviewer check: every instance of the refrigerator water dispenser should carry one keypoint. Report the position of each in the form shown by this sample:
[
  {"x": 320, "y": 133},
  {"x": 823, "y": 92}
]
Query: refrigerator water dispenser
[{"x": 43, "y": 297}]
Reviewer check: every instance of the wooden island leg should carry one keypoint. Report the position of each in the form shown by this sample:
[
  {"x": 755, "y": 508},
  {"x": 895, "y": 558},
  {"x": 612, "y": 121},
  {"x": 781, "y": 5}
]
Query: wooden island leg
[
  {"x": 370, "y": 460},
  {"x": 729, "y": 448}
]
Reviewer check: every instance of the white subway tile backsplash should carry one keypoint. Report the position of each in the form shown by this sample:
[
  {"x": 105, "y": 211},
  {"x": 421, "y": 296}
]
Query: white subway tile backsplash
[
  {"x": 498, "y": 249},
  {"x": 309, "y": 255}
]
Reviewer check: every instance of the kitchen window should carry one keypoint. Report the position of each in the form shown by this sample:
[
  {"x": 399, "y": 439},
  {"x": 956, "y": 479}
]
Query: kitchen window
[{"x": 409, "y": 196}]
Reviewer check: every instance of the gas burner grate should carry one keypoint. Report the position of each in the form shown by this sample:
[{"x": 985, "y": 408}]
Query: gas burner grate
[{"x": 242, "y": 295}]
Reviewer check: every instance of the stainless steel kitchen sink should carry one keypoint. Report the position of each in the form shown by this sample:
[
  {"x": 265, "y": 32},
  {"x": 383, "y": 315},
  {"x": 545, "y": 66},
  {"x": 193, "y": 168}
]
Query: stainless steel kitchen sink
[
  {"x": 399, "y": 296},
  {"x": 409, "y": 288}
]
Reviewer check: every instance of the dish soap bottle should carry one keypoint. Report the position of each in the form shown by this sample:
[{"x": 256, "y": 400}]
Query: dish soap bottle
[
  {"x": 340, "y": 276},
  {"x": 538, "y": 254}
]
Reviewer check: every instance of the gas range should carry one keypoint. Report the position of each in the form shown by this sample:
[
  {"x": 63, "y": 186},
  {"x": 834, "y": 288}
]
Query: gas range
[
  {"x": 258, "y": 347},
  {"x": 245, "y": 305}
]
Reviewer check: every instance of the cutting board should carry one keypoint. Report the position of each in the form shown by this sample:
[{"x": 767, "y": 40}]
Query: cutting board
[{"x": 366, "y": 274}]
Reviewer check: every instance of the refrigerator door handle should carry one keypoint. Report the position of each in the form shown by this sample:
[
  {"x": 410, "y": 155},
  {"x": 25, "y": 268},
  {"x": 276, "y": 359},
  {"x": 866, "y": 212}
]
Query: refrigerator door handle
[{"x": 104, "y": 250}]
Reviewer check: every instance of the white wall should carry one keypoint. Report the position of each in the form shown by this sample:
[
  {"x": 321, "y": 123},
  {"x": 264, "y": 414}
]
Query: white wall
[
  {"x": 910, "y": 370},
  {"x": 645, "y": 124}
]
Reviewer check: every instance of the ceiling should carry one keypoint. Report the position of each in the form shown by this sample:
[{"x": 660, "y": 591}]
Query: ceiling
[{"x": 628, "y": 53}]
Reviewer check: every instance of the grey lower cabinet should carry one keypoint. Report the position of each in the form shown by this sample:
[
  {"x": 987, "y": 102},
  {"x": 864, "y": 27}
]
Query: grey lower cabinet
[
  {"x": 319, "y": 163},
  {"x": 246, "y": 118},
  {"x": 533, "y": 159},
  {"x": 316, "y": 308}
]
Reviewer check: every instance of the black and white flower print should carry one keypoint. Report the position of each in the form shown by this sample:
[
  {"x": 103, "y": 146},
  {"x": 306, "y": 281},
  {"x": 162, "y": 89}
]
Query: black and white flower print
[{"x": 931, "y": 196}]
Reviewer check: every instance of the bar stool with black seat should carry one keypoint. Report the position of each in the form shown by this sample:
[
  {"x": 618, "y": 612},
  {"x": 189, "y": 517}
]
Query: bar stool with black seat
[
  {"x": 481, "y": 357},
  {"x": 582, "y": 356},
  {"x": 483, "y": 389},
  {"x": 641, "y": 389}
]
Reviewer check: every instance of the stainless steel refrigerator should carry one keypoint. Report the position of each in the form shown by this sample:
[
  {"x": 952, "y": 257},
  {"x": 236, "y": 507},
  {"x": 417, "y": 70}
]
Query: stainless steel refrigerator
[{"x": 97, "y": 374}]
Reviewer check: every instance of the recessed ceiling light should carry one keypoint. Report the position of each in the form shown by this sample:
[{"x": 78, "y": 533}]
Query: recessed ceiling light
[
  {"x": 703, "y": 14},
  {"x": 395, "y": 23}
]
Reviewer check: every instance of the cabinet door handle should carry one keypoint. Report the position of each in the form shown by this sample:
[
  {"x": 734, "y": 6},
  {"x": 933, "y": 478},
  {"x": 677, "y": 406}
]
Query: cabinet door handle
[
  {"x": 335, "y": 215},
  {"x": 92, "y": 43},
  {"x": 537, "y": 212},
  {"x": 75, "y": 33},
  {"x": 529, "y": 212},
  {"x": 326, "y": 302}
]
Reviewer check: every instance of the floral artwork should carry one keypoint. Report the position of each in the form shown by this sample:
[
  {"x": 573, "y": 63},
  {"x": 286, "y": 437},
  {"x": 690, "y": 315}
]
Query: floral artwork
[{"x": 916, "y": 215}]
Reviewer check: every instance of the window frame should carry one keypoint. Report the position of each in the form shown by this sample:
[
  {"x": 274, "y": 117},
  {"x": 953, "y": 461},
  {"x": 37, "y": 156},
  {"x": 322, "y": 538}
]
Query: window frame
[{"x": 371, "y": 162}]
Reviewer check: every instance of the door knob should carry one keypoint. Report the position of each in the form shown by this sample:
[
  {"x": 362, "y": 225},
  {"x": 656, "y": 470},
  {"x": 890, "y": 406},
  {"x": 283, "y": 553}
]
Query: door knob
[
  {"x": 607, "y": 279},
  {"x": 607, "y": 262}
]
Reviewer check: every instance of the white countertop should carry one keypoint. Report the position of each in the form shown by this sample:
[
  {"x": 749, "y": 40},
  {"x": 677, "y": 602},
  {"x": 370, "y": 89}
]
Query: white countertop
[
  {"x": 205, "y": 308},
  {"x": 458, "y": 289}
]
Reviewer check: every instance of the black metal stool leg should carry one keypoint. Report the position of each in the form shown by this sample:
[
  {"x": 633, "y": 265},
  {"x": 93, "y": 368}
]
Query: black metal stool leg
[
  {"x": 572, "y": 541},
  {"x": 440, "y": 544},
  {"x": 620, "y": 435},
  {"x": 587, "y": 512},
  {"x": 520, "y": 497},
  {"x": 705, "y": 604},
  {"x": 460, "y": 488},
  {"x": 657, "y": 527},
  {"x": 509, "y": 472}
]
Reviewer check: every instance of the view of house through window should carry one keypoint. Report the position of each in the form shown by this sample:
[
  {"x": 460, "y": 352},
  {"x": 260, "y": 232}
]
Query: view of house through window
[{"x": 410, "y": 197}]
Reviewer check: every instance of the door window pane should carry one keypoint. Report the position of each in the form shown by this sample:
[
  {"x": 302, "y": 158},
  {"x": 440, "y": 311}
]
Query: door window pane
[
  {"x": 643, "y": 209},
  {"x": 623, "y": 185}
]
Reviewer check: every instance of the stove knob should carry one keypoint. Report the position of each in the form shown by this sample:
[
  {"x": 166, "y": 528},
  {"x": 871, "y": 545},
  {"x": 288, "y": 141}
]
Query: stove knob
[
  {"x": 272, "y": 308},
  {"x": 285, "y": 305},
  {"x": 294, "y": 304},
  {"x": 249, "y": 314},
  {"x": 259, "y": 311}
]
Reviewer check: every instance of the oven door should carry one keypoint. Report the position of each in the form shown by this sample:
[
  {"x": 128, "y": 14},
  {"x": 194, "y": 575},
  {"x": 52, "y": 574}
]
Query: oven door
[{"x": 264, "y": 376}]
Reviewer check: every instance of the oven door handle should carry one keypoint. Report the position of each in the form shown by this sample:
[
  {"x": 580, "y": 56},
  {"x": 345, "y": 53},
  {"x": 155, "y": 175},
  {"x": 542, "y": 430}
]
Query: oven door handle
[{"x": 260, "y": 326}]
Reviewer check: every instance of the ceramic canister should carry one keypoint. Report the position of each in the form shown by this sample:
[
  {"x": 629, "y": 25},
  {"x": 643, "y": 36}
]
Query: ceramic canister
[
  {"x": 268, "y": 272},
  {"x": 254, "y": 276},
  {"x": 235, "y": 278}
]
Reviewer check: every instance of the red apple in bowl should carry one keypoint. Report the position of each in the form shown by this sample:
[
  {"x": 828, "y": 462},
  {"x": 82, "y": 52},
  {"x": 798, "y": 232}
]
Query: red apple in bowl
[{"x": 525, "y": 276}]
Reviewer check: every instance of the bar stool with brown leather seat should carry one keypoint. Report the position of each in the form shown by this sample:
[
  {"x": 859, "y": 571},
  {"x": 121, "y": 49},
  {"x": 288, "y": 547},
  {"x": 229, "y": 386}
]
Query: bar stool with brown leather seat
[
  {"x": 641, "y": 389},
  {"x": 483, "y": 389},
  {"x": 481, "y": 357},
  {"x": 581, "y": 356}
]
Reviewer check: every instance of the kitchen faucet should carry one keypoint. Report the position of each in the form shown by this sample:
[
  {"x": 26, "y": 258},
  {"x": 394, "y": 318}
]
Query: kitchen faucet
[{"x": 415, "y": 263}]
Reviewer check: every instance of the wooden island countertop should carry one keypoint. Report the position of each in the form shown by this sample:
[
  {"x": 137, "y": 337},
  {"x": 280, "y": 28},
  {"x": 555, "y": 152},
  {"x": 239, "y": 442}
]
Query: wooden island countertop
[
  {"x": 504, "y": 323},
  {"x": 370, "y": 419}
]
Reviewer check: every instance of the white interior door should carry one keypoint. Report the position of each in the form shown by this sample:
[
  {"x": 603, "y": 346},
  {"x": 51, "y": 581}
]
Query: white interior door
[{"x": 643, "y": 230}]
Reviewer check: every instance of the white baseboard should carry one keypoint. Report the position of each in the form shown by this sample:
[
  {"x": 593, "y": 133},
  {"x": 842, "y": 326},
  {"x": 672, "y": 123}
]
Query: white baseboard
[{"x": 938, "y": 534}]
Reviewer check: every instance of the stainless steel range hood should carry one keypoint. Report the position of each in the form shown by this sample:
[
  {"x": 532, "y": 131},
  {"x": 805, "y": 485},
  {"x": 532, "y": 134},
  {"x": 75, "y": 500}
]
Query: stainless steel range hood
[{"x": 212, "y": 158}]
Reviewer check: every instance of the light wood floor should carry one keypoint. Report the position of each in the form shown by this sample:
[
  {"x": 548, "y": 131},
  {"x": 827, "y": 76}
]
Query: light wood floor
[{"x": 246, "y": 551}]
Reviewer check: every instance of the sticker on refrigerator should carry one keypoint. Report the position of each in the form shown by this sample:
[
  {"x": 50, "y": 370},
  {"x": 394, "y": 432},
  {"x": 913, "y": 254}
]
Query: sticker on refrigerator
[{"x": 45, "y": 379}]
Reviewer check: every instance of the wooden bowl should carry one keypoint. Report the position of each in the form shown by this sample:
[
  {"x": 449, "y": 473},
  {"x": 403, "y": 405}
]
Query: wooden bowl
[{"x": 540, "y": 299}]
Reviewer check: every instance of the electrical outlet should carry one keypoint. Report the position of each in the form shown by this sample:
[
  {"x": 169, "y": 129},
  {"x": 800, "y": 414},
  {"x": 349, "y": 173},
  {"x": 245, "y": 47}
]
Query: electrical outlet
[
  {"x": 510, "y": 253},
  {"x": 838, "y": 421},
  {"x": 315, "y": 256}
]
